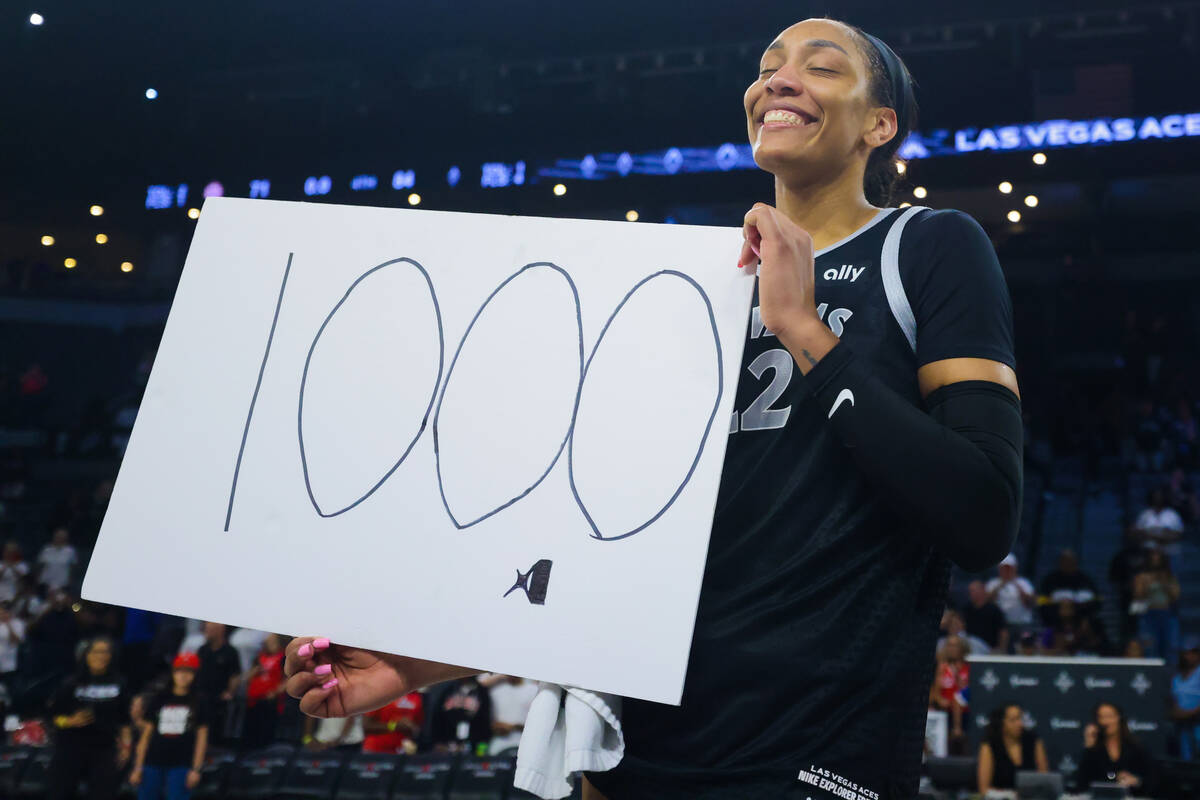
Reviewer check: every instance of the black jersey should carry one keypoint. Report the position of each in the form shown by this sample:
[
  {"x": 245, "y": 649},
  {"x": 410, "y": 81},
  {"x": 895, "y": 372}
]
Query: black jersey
[{"x": 813, "y": 649}]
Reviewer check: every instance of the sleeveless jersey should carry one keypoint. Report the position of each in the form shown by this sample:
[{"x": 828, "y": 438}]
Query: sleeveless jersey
[{"x": 813, "y": 650}]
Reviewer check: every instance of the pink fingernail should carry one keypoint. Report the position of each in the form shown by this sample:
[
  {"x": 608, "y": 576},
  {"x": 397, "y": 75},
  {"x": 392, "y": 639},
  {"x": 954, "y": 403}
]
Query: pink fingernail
[
  {"x": 320, "y": 644},
  {"x": 755, "y": 249},
  {"x": 324, "y": 669},
  {"x": 739, "y": 265},
  {"x": 305, "y": 651},
  {"x": 329, "y": 684}
]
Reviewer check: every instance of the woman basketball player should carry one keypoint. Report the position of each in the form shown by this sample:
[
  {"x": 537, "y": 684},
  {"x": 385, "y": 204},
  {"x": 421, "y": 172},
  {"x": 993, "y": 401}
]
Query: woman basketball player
[{"x": 877, "y": 438}]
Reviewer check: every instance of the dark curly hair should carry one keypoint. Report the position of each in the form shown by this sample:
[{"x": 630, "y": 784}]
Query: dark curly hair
[{"x": 882, "y": 177}]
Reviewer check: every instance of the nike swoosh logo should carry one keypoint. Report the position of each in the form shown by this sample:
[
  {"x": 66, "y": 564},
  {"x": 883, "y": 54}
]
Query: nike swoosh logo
[{"x": 843, "y": 395}]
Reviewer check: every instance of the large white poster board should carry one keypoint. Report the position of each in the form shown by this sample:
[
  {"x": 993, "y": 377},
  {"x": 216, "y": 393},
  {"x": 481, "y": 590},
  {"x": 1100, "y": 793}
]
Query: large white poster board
[{"x": 487, "y": 440}]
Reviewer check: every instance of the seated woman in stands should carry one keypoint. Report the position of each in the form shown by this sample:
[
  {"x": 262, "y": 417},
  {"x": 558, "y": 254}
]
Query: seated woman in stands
[{"x": 1008, "y": 746}]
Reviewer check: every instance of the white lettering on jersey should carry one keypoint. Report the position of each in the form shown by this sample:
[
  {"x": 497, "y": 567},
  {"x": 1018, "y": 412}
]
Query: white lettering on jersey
[
  {"x": 844, "y": 272},
  {"x": 173, "y": 720}
]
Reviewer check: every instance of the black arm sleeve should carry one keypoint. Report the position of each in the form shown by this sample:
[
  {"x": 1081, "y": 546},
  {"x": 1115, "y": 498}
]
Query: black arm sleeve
[{"x": 956, "y": 471}]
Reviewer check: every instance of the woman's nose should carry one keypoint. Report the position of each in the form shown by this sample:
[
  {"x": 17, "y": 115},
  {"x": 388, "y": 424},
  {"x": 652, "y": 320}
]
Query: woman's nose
[{"x": 784, "y": 80}]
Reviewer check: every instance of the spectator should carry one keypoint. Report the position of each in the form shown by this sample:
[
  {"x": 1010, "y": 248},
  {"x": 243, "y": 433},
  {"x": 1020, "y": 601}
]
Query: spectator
[
  {"x": 1125, "y": 565},
  {"x": 336, "y": 733},
  {"x": 12, "y": 568},
  {"x": 1007, "y": 747},
  {"x": 90, "y": 716},
  {"x": 1069, "y": 583},
  {"x": 264, "y": 694},
  {"x": 174, "y": 736},
  {"x": 12, "y": 633},
  {"x": 1027, "y": 644},
  {"x": 1155, "y": 593},
  {"x": 30, "y": 599},
  {"x": 1071, "y": 633},
  {"x": 511, "y": 698},
  {"x": 953, "y": 625},
  {"x": 462, "y": 721},
  {"x": 1185, "y": 701},
  {"x": 1159, "y": 525},
  {"x": 1012, "y": 593},
  {"x": 984, "y": 619},
  {"x": 1134, "y": 649},
  {"x": 395, "y": 727},
  {"x": 52, "y": 637},
  {"x": 218, "y": 677},
  {"x": 948, "y": 692},
  {"x": 57, "y": 560},
  {"x": 1112, "y": 755}
]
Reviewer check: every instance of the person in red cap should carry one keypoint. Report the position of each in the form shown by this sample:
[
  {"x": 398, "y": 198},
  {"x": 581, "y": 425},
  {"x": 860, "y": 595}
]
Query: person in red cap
[{"x": 170, "y": 753}]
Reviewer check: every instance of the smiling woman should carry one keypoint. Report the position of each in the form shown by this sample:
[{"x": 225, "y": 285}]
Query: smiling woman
[{"x": 876, "y": 439}]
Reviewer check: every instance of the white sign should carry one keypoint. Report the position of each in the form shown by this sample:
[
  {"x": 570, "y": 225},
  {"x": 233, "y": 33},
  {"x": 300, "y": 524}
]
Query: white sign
[{"x": 486, "y": 440}]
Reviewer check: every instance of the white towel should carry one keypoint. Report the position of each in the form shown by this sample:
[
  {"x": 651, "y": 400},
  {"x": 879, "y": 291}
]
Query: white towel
[{"x": 580, "y": 733}]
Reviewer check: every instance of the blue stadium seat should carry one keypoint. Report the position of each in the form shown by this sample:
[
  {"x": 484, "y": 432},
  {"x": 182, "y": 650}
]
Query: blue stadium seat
[
  {"x": 259, "y": 774},
  {"x": 424, "y": 778},
  {"x": 369, "y": 776},
  {"x": 482, "y": 779},
  {"x": 312, "y": 775}
]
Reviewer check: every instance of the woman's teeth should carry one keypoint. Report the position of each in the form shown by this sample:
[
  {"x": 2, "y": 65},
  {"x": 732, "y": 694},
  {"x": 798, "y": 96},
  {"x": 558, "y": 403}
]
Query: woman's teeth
[{"x": 786, "y": 117}]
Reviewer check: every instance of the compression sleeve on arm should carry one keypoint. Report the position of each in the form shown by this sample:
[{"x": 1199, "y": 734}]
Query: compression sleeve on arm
[{"x": 955, "y": 471}]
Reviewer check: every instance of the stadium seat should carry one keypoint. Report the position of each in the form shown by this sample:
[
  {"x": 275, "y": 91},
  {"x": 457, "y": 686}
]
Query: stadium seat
[
  {"x": 12, "y": 763},
  {"x": 312, "y": 775},
  {"x": 259, "y": 774},
  {"x": 369, "y": 776},
  {"x": 214, "y": 778},
  {"x": 482, "y": 779},
  {"x": 952, "y": 772},
  {"x": 424, "y": 778},
  {"x": 33, "y": 777}
]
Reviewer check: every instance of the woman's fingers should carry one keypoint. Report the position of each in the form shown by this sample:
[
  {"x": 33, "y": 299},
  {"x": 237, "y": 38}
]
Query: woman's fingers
[
  {"x": 302, "y": 653},
  {"x": 303, "y": 684},
  {"x": 315, "y": 701}
]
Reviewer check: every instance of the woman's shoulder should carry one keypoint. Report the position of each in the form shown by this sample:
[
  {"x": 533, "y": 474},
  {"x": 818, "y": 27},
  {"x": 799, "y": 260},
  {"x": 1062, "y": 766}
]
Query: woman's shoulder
[{"x": 941, "y": 222}]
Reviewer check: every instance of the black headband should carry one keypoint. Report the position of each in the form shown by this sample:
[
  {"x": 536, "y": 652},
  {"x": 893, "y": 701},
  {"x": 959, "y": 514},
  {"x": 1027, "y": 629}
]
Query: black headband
[{"x": 897, "y": 76}]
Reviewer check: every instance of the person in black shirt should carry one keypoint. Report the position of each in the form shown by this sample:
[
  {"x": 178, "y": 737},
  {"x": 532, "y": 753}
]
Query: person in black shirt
[
  {"x": 174, "y": 736},
  {"x": 462, "y": 719},
  {"x": 984, "y": 618},
  {"x": 1006, "y": 748},
  {"x": 90, "y": 717},
  {"x": 220, "y": 668},
  {"x": 1068, "y": 582},
  {"x": 1112, "y": 754},
  {"x": 877, "y": 438}
]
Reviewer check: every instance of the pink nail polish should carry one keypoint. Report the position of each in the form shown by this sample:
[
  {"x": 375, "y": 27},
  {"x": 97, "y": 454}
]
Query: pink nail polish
[
  {"x": 329, "y": 684},
  {"x": 305, "y": 651},
  {"x": 324, "y": 669},
  {"x": 739, "y": 265},
  {"x": 320, "y": 644},
  {"x": 755, "y": 249}
]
